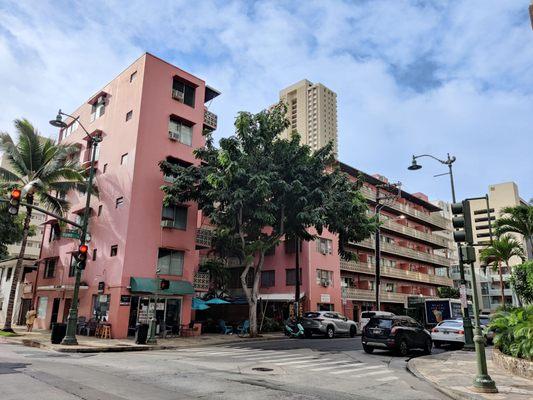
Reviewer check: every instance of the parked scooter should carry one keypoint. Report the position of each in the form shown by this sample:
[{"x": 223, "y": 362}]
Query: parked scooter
[{"x": 294, "y": 329}]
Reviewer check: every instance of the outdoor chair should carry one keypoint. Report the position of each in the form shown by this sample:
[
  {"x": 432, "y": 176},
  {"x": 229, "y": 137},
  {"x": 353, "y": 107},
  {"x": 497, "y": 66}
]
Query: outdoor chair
[
  {"x": 82, "y": 323},
  {"x": 90, "y": 327},
  {"x": 244, "y": 328},
  {"x": 223, "y": 328}
]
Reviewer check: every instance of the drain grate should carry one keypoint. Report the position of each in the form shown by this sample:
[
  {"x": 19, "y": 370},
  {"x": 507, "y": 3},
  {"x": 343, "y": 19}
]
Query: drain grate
[{"x": 262, "y": 369}]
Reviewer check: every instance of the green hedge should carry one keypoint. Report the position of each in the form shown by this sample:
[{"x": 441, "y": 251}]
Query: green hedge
[{"x": 514, "y": 332}]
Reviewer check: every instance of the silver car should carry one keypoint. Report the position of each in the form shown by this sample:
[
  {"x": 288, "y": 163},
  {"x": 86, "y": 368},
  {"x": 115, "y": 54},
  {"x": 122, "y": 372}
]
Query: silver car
[{"x": 327, "y": 323}]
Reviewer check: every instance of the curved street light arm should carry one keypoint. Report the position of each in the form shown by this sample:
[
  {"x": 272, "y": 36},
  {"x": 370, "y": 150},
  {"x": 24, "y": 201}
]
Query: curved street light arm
[
  {"x": 447, "y": 162},
  {"x": 79, "y": 122}
]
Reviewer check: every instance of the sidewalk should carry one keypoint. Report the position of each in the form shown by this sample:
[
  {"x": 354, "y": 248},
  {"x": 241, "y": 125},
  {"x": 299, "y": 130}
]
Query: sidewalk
[
  {"x": 452, "y": 373},
  {"x": 91, "y": 344}
]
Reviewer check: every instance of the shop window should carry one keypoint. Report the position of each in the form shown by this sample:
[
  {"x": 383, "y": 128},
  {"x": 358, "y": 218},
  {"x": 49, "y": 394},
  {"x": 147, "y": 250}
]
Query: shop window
[
  {"x": 42, "y": 305},
  {"x": 268, "y": 278},
  {"x": 170, "y": 262}
]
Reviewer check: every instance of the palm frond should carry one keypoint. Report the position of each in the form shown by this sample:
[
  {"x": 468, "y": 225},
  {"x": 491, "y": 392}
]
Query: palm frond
[
  {"x": 54, "y": 204},
  {"x": 12, "y": 154}
]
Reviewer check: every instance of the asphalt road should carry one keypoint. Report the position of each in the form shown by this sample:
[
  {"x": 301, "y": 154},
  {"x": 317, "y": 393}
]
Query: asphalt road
[{"x": 303, "y": 369}]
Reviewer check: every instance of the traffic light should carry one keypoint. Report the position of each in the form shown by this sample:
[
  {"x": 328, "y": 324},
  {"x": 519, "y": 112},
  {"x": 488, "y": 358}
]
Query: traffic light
[
  {"x": 164, "y": 284},
  {"x": 462, "y": 222},
  {"x": 14, "y": 202},
  {"x": 83, "y": 249},
  {"x": 468, "y": 254}
]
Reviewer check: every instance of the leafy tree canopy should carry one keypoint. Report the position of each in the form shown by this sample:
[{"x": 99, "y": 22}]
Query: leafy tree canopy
[{"x": 522, "y": 281}]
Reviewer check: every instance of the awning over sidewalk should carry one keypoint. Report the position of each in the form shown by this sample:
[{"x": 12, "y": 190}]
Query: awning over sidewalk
[{"x": 150, "y": 285}]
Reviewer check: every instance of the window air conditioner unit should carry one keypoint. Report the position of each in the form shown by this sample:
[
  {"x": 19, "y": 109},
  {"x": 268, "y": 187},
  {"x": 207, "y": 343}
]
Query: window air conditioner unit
[
  {"x": 174, "y": 135},
  {"x": 177, "y": 95},
  {"x": 167, "y": 223},
  {"x": 324, "y": 251},
  {"x": 324, "y": 282}
]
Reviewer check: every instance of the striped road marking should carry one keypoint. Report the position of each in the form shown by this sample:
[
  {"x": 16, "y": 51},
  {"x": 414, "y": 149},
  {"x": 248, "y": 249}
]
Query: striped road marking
[
  {"x": 334, "y": 366},
  {"x": 302, "y": 362},
  {"x": 345, "y": 371},
  {"x": 387, "y": 379}
]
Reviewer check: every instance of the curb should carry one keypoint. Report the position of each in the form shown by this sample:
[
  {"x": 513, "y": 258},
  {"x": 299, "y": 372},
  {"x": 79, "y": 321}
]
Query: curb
[
  {"x": 411, "y": 367},
  {"x": 117, "y": 349}
]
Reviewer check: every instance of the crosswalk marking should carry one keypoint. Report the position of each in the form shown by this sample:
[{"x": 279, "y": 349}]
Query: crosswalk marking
[
  {"x": 342, "y": 365},
  {"x": 291, "y": 358},
  {"x": 371, "y": 373},
  {"x": 387, "y": 379},
  {"x": 345, "y": 371},
  {"x": 260, "y": 356},
  {"x": 301, "y": 362}
]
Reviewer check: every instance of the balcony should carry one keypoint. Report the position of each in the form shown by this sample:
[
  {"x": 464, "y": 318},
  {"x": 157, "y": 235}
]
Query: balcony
[
  {"x": 201, "y": 281},
  {"x": 370, "y": 295},
  {"x": 210, "y": 120},
  {"x": 433, "y": 219},
  {"x": 203, "y": 238},
  {"x": 498, "y": 292},
  {"x": 406, "y": 252},
  {"x": 432, "y": 239},
  {"x": 397, "y": 273}
]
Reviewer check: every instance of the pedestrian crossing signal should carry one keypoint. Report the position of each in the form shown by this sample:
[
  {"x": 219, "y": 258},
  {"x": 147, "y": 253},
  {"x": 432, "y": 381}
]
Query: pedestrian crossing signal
[{"x": 164, "y": 284}]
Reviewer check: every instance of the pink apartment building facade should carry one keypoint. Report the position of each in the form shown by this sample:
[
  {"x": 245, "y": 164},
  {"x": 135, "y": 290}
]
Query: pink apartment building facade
[{"x": 150, "y": 112}]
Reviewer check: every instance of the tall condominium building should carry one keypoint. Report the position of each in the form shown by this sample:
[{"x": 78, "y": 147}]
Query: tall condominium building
[
  {"x": 7, "y": 266},
  {"x": 450, "y": 251},
  {"x": 151, "y": 111},
  {"x": 312, "y": 112},
  {"x": 488, "y": 279}
]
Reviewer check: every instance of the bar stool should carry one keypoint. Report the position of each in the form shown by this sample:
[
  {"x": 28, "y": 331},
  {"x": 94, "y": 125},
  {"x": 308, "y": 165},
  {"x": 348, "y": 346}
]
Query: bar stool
[
  {"x": 98, "y": 330},
  {"x": 106, "y": 332}
]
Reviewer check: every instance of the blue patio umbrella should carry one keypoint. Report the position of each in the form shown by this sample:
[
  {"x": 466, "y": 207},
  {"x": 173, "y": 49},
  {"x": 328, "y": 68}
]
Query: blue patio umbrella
[
  {"x": 199, "y": 304},
  {"x": 216, "y": 300}
]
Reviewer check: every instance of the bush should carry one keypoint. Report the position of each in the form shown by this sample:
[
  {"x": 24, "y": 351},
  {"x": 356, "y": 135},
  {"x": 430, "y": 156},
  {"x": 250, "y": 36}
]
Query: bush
[
  {"x": 270, "y": 325},
  {"x": 514, "y": 332},
  {"x": 522, "y": 281}
]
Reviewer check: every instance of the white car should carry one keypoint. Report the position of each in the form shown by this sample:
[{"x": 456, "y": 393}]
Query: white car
[
  {"x": 366, "y": 315},
  {"x": 450, "y": 331}
]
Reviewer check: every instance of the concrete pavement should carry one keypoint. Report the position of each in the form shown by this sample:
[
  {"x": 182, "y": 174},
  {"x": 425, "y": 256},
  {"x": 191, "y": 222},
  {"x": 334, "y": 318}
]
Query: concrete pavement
[{"x": 286, "y": 369}]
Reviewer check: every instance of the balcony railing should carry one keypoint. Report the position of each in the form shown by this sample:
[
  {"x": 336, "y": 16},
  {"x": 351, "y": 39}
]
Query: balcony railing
[
  {"x": 370, "y": 295},
  {"x": 201, "y": 281},
  {"x": 397, "y": 273},
  {"x": 203, "y": 238},
  {"x": 210, "y": 120},
  {"x": 433, "y": 219},
  {"x": 405, "y": 230},
  {"x": 406, "y": 252}
]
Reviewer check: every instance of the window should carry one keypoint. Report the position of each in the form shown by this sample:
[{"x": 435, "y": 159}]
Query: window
[
  {"x": 105, "y": 169},
  {"x": 49, "y": 268},
  {"x": 170, "y": 262},
  {"x": 129, "y": 114},
  {"x": 42, "y": 305},
  {"x": 323, "y": 246},
  {"x": 389, "y": 287},
  {"x": 119, "y": 202},
  {"x": 133, "y": 76},
  {"x": 114, "y": 250},
  {"x": 324, "y": 277},
  {"x": 95, "y": 251},
  {"x": 55, "y": 232},
  {"x": 98, "y": 108},
  {"x": 8, "y": 274},
  {"x": 100, "y": 207},
  {"x": 174, "y": 216},
  {"x": 124, "y": 159},
  {"x": 72, "y": 267},
  {"x": 183, "y": 92},
  {"x": 179, "y": 131},
  {"x": 69, "y": 129},
  {"x": 290, "y": 276},
  {"x": 268, "y": 278}
]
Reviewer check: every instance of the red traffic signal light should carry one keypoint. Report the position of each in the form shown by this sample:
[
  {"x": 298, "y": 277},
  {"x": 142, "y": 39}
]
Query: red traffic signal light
[
  {"x": 14, "y": 202},
  {"x": 164, "y": 284},
  {"x": 83, "y": 249}
]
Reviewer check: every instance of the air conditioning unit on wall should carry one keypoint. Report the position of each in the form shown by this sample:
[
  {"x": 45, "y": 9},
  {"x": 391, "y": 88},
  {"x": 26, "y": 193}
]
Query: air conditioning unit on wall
[{"x": 324, "y": 282}]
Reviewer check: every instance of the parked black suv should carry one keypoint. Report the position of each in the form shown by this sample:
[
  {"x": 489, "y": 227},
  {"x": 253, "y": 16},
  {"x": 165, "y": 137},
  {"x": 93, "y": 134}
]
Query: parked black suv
[{"x": 398, "y": 333}]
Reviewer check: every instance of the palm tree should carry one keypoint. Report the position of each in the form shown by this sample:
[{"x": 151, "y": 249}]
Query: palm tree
[
  {"x": 41, "y": 168},
  {"x": 519, "y": 220},
  {"x": 501, "y": 251}
]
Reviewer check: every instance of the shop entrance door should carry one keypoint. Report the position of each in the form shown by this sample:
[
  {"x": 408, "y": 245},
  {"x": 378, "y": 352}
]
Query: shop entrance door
[
  {"x": 55, "y": 311},
  {"x": 173, "y": 316}
]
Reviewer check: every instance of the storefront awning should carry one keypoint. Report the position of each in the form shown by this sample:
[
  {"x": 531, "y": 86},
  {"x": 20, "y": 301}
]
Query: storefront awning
[
  {"x": 150, "y": 285},
  {"x": 278, "y": 296}
]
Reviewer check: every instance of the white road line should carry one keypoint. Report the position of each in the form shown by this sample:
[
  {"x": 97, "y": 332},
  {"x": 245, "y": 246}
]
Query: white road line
[
  {"x": 345, "y": 371},
  {"x": 387, "y": 379},
  {"x": 263, "y": 353},
  {"x": 301, "y": 362},
  {"x": 342, "y": 365},
  {"x": 371, "y": 373},
  {"x": 286, "y": 359}
]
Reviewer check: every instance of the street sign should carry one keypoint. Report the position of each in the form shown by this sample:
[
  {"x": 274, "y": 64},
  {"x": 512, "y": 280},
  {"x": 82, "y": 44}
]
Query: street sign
[{"x": 71, "y": 234}]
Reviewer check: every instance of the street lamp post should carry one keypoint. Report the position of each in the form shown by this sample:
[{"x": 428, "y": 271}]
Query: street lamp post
[
  {"x": 72, "y": 321},
  {"x": 467, "y": 323}
]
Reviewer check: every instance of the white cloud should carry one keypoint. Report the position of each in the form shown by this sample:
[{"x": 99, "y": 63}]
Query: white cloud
[{"x": 480, "y": 51}]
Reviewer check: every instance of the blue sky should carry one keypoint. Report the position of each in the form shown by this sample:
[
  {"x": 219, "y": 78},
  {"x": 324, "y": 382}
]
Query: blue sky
[{"x": 411, "y": 76}]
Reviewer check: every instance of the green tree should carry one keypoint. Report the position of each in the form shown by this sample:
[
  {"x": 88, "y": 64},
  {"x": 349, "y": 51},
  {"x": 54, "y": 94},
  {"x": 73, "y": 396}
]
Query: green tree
[
  {"x": 519, "y": 220},
  {"x": 45, "y": 171},
  {"x": 501, "y": 251},
  {"x": 10, "y": 230},
  {"x": 257, "y": 189},
  {"x": 446, "y": 292},
  {"x": 522, "y": 282}
]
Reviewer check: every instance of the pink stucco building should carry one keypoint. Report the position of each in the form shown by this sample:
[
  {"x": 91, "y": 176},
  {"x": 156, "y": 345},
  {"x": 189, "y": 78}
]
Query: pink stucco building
[{"x": 150, "y": 112}]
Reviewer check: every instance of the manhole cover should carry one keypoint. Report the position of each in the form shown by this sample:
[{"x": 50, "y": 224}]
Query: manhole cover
[{"x": 262, "y": 369}]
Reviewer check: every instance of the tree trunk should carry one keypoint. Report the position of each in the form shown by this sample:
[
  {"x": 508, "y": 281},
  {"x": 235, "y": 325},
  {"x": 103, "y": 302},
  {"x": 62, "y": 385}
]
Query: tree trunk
[
  {"x": 251, "y": 295},
  {"x": 18, "y": 268},
  {"x": 501, "y": 283}
]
